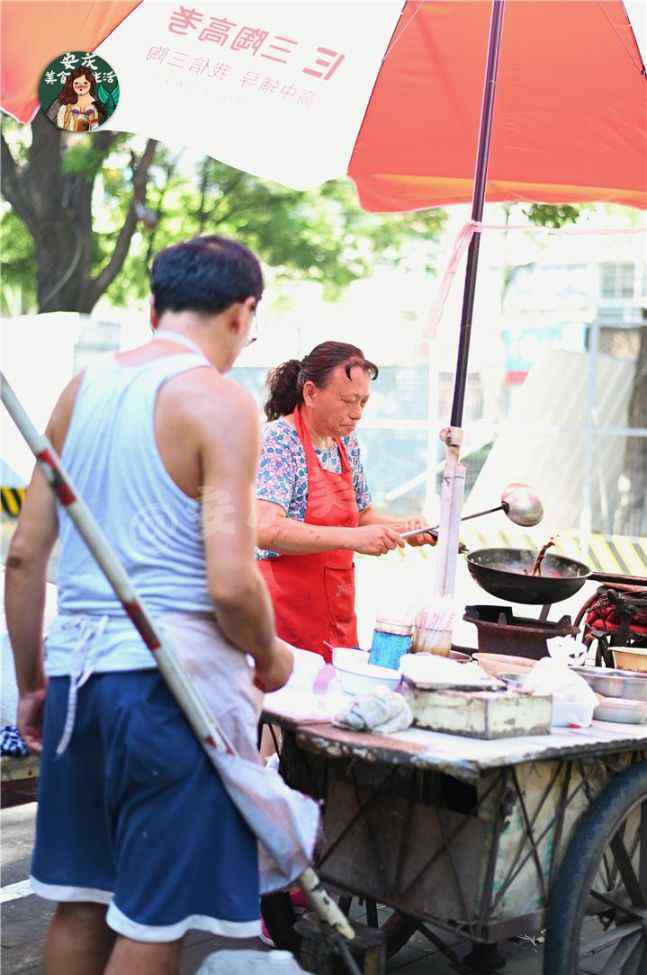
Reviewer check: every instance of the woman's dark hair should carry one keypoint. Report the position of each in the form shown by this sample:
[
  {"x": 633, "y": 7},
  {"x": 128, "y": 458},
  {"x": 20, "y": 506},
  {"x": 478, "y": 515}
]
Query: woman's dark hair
[
  {"x": 206, "y": 274},
  {"x": 286, "y": 382},
  {"x": 67, "y": 95}
]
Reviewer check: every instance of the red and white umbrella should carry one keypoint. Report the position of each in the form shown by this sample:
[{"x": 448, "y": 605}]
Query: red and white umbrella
[
  {"x": 305, "y": 92},
  {"x": 399, "y": 98}
]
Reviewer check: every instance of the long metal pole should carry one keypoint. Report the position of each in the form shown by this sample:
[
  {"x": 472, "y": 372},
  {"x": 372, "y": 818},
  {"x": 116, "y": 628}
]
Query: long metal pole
[
  {"x": 204, "y": 724},
  {"x": 478, "y": 199}
]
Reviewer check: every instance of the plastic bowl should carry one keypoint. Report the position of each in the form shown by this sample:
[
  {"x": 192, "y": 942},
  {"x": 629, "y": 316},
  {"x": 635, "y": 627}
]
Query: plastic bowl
[
  {"x": 348, "y": 657},
  {"x": 357, "y": 675},
  {"x": 630, "y": 658}
]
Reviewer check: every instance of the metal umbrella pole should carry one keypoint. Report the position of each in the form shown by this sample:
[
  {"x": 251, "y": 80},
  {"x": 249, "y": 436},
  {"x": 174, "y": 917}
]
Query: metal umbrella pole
[
  {"x": 203, "y": 723},
  {"x": 454, "y": 472}
]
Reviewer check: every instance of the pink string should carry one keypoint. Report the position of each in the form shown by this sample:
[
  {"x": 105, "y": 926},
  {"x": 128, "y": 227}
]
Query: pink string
[{"x": 462, "y": 242}]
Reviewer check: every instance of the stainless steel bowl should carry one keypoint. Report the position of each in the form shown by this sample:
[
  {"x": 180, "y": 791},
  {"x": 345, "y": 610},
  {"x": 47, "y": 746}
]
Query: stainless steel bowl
[{"x": 615, "y": 683}]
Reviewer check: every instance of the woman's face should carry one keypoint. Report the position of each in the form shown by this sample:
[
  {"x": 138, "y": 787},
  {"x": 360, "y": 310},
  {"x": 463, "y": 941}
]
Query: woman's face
[
  {"x": 81, "y": 85},
  {"x": 337, "y": 409}
]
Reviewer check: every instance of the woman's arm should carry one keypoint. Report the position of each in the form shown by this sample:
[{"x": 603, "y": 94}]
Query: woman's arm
[
  {"x": 369, "y": 516},
  {"x": 287, "y": 536}
]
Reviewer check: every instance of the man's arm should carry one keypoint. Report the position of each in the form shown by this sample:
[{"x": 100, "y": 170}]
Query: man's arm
[
  {"x": 228, "y": 438},
  {"x": 26, "y": 579}
]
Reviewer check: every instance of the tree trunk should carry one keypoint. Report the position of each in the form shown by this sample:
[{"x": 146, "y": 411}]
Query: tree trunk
[
  {"x": 634, "y": 515},
  {"x": 56, "y": 208}
]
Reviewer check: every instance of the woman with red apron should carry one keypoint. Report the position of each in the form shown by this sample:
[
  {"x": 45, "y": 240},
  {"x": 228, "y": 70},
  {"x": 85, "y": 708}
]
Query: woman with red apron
[{"x": 314, "y": 510}]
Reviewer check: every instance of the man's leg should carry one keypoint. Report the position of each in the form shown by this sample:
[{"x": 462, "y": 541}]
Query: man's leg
[
  {"x": 79, "y": 941},
  {"x": 142, "y": 958}
]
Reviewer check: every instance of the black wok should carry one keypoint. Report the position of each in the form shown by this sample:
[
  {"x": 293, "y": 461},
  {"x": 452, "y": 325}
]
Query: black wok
[{"x": 505, "y": 572}]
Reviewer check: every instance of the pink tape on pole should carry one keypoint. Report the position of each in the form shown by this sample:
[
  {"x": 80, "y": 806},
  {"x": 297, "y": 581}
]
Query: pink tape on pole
[{"x": 461, "y": 243}]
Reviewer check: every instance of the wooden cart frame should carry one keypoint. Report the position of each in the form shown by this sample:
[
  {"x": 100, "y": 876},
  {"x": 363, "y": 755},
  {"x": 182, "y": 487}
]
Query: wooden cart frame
[{"x": 487, "y": 840}]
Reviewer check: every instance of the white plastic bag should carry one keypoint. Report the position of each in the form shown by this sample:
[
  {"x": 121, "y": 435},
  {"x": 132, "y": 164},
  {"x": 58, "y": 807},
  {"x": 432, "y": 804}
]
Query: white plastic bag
[
  {"x": 249, "y": 962},
  {"x": 573, "y": 699},
  {"x": 567, "y": 650}
]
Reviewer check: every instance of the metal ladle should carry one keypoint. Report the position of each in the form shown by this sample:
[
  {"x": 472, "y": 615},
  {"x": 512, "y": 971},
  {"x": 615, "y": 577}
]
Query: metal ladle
[{"x": 518, "y": 501}]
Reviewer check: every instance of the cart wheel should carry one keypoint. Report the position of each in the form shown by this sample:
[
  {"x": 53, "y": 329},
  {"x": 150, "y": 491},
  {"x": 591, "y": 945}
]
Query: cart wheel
[
  {"x": 603, "y": 874},
  {"x": 280, "y": 917}
]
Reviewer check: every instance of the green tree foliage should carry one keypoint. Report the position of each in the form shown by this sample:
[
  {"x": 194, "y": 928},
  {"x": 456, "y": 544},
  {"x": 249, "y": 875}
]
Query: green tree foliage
[{"x": 321, "y": 235}]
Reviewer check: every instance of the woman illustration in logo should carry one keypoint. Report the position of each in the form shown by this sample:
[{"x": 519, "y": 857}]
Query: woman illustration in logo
[{"x": 80, "y": 110}]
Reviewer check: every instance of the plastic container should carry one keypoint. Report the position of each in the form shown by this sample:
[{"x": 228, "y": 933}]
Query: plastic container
[
  {"x": 250, "y": 962},
  {"x": 434, "y": 627},
  {"x": 392, "y": 638}
]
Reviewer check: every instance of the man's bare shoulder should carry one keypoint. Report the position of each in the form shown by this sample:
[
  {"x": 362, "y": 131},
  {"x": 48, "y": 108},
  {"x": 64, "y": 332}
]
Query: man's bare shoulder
[
  {"x": 59, "y": 421},
  {"x": 207, "y": 400}
]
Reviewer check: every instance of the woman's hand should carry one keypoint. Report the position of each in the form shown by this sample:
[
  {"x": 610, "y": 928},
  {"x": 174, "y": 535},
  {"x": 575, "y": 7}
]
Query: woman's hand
[
  {"x": 424, "y": 538},
  {"x": 29, "y": 719},
  {"x": 375, "y": 539}
]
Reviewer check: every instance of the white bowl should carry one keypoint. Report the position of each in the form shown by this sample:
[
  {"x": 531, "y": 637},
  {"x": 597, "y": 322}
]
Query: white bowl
[
  {"x": 348, "y": 657},
  {"x": 357, "y": 676}
]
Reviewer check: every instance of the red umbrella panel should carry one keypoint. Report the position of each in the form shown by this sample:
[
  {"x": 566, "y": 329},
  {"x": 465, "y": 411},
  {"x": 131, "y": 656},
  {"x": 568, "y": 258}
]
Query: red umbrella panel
[
  {"x": 401, "y": 100},
  {"x": 301, "y": 93}
]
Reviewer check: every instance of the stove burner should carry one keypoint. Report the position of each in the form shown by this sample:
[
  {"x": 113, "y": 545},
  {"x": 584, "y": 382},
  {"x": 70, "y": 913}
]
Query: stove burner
[{"x": 500, "y": 631}]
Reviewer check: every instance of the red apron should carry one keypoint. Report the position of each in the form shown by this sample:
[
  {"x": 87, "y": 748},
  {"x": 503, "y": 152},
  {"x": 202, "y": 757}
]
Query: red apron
[{"x": 314, "y": 595}]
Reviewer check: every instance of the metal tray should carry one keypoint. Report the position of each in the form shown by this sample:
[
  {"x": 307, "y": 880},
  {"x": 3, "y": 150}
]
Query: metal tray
[
  {"x": 615, "y": 683},
  {"x": 623, "y": 711}
]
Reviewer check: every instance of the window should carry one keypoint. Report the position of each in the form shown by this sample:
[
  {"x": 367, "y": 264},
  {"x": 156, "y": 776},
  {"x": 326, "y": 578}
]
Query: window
[{"x": 617, "y": 280}]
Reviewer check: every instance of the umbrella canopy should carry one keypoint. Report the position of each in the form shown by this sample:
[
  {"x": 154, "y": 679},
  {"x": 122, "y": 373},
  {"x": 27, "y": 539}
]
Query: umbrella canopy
[{"x": 301, "y": 93}]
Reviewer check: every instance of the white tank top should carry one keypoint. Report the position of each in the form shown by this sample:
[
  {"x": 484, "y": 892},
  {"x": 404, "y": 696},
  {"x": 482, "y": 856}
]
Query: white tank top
[{"x": 112, "y": 458}]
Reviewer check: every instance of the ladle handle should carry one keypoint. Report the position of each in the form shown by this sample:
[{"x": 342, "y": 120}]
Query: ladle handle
[{"x": 434, "y": 530}]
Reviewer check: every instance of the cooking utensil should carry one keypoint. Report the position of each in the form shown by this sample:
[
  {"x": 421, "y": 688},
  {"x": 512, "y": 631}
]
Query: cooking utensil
[
  {"x": 518, "y": 501},
  {"x": 615, "y": 683},
  {"x": 502, "y": 572}
]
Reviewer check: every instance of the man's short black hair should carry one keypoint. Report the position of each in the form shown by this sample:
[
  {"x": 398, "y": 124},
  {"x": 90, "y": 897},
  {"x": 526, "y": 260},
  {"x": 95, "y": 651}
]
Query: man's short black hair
[{"x": 206, "y": 274}]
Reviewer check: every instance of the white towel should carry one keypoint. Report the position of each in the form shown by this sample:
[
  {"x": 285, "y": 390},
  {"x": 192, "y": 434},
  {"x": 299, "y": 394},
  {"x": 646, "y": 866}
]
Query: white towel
[{"x": 382, "y": 711}]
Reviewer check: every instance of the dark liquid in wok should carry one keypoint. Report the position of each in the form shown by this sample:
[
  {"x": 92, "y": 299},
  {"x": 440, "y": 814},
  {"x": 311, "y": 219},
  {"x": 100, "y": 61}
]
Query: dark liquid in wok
[{"x": 553, "y": 566}]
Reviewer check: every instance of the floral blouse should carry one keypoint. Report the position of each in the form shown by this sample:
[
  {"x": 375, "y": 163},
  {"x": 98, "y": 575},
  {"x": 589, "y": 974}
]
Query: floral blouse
[
  {"x": 77, "y": 120},
  {"x": 282, "y": 473}
]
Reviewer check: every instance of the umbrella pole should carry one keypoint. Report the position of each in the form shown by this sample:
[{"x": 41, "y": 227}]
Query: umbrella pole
[
  {"x": 454, "y": 473},
  {"x": 478, "y": 200},
  {"x": 200, "y": 718}
]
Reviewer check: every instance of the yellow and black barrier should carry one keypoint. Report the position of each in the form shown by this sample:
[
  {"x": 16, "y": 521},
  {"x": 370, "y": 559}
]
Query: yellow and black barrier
[{"x": 12, "y": 499}]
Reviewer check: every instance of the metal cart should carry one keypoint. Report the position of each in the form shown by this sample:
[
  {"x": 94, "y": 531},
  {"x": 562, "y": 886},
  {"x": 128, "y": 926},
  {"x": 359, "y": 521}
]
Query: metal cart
[{"x": 484, "y": 840}]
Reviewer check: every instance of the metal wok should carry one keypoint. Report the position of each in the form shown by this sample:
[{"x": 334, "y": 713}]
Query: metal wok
[{"x": 504, "y": 572}]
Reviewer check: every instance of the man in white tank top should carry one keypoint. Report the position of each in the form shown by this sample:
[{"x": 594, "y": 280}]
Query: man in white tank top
[{"x": 136, "y": 839}]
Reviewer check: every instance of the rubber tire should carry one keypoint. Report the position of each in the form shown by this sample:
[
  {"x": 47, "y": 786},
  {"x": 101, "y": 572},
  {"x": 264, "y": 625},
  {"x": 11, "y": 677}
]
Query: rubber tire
[
  {"x": 280, "y": 918},
  {"x": 578, "y": 868}
]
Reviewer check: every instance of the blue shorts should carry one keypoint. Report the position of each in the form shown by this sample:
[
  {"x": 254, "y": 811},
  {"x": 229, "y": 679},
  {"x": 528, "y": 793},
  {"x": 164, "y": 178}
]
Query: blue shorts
[{"x": 134, "y": 815}]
